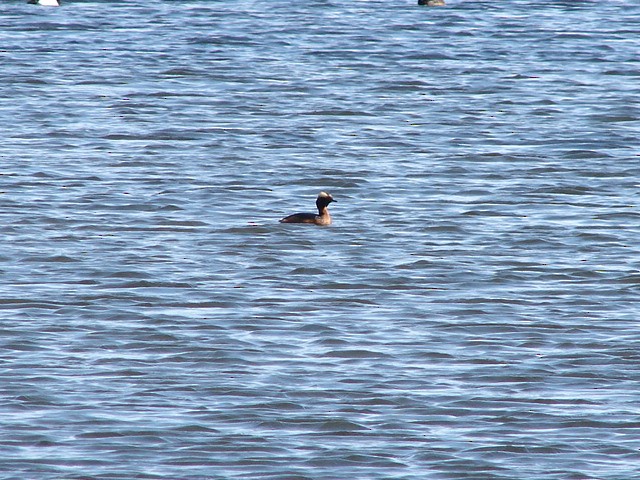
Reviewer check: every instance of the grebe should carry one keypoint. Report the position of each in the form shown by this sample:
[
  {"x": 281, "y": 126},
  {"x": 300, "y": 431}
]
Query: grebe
[{"x": 322, "y": 218}]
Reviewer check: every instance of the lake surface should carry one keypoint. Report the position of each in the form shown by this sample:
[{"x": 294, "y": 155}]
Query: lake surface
[{"x": 472, "y": 313}]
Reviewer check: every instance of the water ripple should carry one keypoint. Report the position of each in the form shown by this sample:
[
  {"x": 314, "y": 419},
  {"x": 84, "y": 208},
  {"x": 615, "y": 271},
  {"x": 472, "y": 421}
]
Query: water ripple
[{"x": 471, "y": 313}]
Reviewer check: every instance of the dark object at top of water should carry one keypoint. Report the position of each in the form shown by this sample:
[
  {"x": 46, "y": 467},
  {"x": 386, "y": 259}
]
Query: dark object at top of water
[
  {"x": 432, "y": 3},
  {"x": 46, "y": 3},
  {"x": 322, "y": 218}
]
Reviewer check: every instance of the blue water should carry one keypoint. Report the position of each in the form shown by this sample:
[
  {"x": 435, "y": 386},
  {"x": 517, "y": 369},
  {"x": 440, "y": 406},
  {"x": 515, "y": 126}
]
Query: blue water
[{"x": 472, "y": 313}]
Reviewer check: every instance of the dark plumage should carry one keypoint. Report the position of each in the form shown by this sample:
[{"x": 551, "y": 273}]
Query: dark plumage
[{"x": 322, "y": 218}]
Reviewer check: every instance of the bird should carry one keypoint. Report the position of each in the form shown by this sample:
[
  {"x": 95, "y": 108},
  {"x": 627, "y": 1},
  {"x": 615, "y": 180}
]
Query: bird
[
  {"x": 322, "y": 218},
  {"x": 46, "y": 3}
]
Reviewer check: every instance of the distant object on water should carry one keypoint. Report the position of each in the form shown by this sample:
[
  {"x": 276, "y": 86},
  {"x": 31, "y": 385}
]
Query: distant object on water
[
  {"x": 322, "y": 218},
  {"x": 46, "y": 3},
  {"x": 432, "y": 3}
]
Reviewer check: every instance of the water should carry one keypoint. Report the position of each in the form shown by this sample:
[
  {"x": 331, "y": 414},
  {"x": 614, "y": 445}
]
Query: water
[{"x": 471, "y": 314}]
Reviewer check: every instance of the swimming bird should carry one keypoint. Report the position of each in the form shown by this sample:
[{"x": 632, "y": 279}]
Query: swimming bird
[
  {"x": 46, "y": 3},
  {"x": 322, "y": 218}
]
